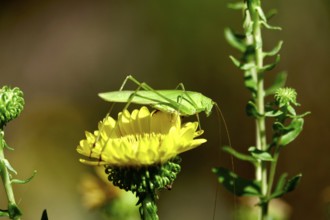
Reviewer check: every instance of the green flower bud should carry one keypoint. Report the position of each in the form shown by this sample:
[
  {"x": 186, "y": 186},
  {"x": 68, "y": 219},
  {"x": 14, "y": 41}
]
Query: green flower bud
[
  {"x": 11, "y": 104},
  {"x": 286, "y": 96}
]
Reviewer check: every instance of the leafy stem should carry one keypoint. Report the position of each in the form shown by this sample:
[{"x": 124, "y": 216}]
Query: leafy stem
[
  {"x": 255, "y": 39},
  {"x": 287, "y": 124},
  {"x": 11, "y": 105},
  {"x": 13, "y": 211}
]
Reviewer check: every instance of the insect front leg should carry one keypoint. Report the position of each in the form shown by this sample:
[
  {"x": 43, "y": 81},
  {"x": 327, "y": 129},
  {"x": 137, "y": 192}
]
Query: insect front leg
[{"x": 185, "y": 96}]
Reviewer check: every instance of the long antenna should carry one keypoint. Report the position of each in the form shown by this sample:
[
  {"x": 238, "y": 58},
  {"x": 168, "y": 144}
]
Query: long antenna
[{"x": 220, "y": 119}]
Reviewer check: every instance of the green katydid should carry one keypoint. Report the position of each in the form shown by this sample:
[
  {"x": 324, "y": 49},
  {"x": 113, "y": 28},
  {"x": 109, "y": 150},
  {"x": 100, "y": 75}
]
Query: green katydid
[{"x": 186, "y": 103}]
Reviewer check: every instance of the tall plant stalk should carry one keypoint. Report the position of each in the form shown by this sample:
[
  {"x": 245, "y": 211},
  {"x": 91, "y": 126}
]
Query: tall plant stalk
[
  {"x": 256, "y": 60},
  {"x": 11, "y": 105},
  {"x": 287, "y": 125}
]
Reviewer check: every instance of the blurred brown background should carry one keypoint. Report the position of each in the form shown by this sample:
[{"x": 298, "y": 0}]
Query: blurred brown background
[{"x": 62, "y": 53}]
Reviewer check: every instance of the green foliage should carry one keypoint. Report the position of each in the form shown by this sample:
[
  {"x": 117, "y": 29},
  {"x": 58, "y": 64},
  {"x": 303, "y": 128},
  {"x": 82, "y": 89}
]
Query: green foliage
[
  {"x": 236, "y": 184},
  {"x": 11, "y": 105},
  {"x": 286, "y": 124},
  {"x": 284, "y": 186}
]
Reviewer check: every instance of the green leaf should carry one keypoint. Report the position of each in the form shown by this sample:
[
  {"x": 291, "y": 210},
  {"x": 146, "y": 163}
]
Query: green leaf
[
  {"x": 251, "y": 110},
  {"x": 278, "y": 83},
  {"x": 260, "y": 155},
  {"x": 270, "y": 27},
  {"x": 294, "y": 129},
  {"x": 235, "y": 61},
  {"x": 8, "y": 165},
  {"x": 242, "y": 66},
  {"x": 9, "y": 148},
  {"x": 271, "y": 13},
  {"x": 235, "y": 40},
  {"x": 293, "y": 183},
  {"x": 247, "y": 24},
  {"x": 301, "y": 115},
  {"x": 249, "y": 82},
  {"x": 261, "y": 13},
  {"x": 239, "y": 155},
  {"x": 278, "y": 191},
  {"x": 248, "y": 66},
  {"x": 236, "y": 184},
  {"x": 17, "y": 181},
  {"x": 270, "y": 66},
  {"x": 236, "y": 5},
  {"x": 275, "y": 50},
  {"x": 4, "y": 213},
  {"x": 283, "y": 186},
  {"x": 291, "y": 110},
  {"x": 273, "y": 113}
]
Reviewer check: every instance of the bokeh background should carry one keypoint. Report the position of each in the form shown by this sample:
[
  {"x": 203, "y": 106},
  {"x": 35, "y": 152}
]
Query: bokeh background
[{"x": 62, "y": 53}]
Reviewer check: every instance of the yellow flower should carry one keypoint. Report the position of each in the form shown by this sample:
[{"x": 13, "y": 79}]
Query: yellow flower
[{"x": 138, "y": 139}]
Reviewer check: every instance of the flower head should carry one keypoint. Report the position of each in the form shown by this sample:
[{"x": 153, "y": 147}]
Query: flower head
[
  {"x": 139, "y": 139},
  {"x": 11, "y": 104},
  {"x": 286, "y": 96}
]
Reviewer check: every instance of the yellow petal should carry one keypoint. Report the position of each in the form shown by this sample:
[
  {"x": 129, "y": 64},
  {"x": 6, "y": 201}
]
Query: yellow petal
[{"x": 139, "y": 139}]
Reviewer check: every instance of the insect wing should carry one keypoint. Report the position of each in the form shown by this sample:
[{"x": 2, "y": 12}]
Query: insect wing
[{"x": 138, "y": 97}]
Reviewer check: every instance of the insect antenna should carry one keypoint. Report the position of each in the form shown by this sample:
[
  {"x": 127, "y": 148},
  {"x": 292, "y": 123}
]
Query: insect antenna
[{"x": 220, "y": 119}]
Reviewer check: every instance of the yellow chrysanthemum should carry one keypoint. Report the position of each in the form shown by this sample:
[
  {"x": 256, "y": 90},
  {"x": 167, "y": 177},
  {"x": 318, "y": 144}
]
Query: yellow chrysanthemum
[{"x": 138, "y": 139}]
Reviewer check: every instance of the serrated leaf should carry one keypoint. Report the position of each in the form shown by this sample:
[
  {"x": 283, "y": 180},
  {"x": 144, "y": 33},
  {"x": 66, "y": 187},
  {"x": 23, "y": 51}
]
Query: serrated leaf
[
  {"x": 294, "y": 129},
  {"x": 279, "y": 82},
  {"x": 275, "y": 50},
  {"x": 239, "y": 155},
  {"x": 235, "y": 184},
  {"x": 235, "y": 40}
]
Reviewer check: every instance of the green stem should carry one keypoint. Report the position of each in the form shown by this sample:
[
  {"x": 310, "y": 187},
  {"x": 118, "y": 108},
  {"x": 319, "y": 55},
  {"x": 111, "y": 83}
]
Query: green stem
[
  {"x": 261, "y": 142},
  {"x": 148, "y": 209},
  {"x": 272, "y": 170},
  {"x": 13, "y": 210}
]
